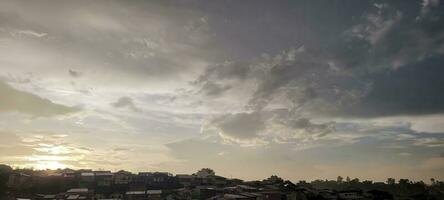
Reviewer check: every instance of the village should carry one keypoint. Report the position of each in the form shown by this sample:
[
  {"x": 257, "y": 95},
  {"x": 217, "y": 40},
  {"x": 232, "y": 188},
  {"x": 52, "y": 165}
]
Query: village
[{"x": 68, "y": 184}]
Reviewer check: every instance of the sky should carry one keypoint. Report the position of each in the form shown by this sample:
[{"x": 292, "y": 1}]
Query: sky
[{"x": 300, "y": 89}]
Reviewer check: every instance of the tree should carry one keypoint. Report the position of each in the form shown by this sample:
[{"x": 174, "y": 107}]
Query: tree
[
  {"x": 391, "y": 181},
  {"x": 5, "y": 171},
  {"x": 404, "y": 181},
  {"x": 204, "y": 172},
  {"x": 432, "y": 180},
  {"x": 347, "y": 179},
  {"x": 339, "y": 179},
  {"x": 275, "y": 179},
  {"x": 355, "y": 180}
]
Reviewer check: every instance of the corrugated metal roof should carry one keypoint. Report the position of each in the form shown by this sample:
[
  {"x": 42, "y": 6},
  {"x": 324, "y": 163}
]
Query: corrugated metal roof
[
  {"x": 135, "y": 192},
  {"x": 73, "y": 190},
  {"x": 154, "y": 191}
]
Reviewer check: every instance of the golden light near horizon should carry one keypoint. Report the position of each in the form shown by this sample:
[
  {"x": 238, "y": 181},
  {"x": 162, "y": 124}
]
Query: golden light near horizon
[{"x": 42, "y": 165}]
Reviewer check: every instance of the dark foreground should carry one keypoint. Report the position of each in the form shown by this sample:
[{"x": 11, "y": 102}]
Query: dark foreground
[{"x": 67, "y": 184}]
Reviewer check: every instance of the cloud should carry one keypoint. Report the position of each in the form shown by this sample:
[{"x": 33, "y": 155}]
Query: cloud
[
  {"x": 430, "y": 142},
  {"x": 225, "y": 71},
  {"x": 213, "y": 89},
  {"x": 426, "y": 3},
  {"x": 263, "y": 128},
  {"x": 377, "y": 26},
  {"x": 368, "y": 71},
  {"x": 241, "y": 126},
  {"x": 106, "y": 43},
  {"x": 74, "y": 73},
  {"x": 126, "y": 102},
  {"x": 121, "y": 149},
  {"x": 411, "y": 90},
  {"x": 297, "y": 130},
  {"x": 388, "y": 39},
  {"x": 22, "y": 34},
  {"x": 428, "y": 6},
  {"x": 20, "y": 101}
]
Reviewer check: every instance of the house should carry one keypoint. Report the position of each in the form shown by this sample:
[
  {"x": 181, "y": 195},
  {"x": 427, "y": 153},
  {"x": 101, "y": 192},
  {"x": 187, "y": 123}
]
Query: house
[
  {"x": 273, "y": 195},
  {"x": 350, "y": 195},
  {"x": 327, "y": 194},
  {"x": 122, "y": 177},
  {"x": 86, "y": 179},
  {"x": 208, "y": 192},
  {"x": 78, "y": 190},
  {"x": 20, "y": 181},
  {"x": 100, "y": 195},
  {"x": 68, "y": 173},
  {"x": 160, "y": 176},
  {"x": 155, "y": 180},
  {"x": 162, "y": 180},
  {"x": 110, "y": 199},
  {"x": 256, "y": 196},
  {"x": 238, "y": 196},
  {"x": 79, "y": 193},
  {"x": 117, "y": 195},
  {"x": 103, "y": 178},
  {"x": 154, "y": 194},
  {"x": 379, "y": 194},
  {"x": 241, "y": 196},
  {"x": 219, "y": 180},
  {"x": 185, "y": 180},
  {"x": 46, "y": 197},
  {"x": 136, "y": 195},
  {"x": 246, "y": 188}
]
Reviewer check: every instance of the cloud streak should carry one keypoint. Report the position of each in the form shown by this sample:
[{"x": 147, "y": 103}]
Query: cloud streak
[{"x": 20, "y": 101}]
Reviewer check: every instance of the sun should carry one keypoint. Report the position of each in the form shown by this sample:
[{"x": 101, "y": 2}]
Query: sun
[{"x": 49, "y": 165}]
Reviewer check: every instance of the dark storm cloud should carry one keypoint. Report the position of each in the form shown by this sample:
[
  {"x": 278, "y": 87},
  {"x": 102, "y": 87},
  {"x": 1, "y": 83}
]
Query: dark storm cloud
[
  {"x": 411, "y": 90},
  {"x": 397, "y": 50},
  {"x": 391, "y": 36},
  {"x": 20, "y": 101},
  {"x": 292, "y": 69},
  {"x": 382, "y": 61},
  {"x": 249, "y": 28}
]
